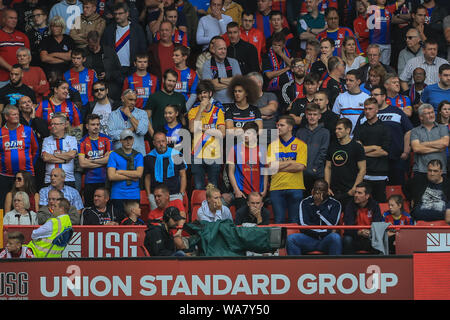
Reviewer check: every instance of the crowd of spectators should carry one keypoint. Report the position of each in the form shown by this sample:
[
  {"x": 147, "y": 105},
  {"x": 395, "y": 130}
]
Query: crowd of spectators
[{"x": 284, "y": 111}]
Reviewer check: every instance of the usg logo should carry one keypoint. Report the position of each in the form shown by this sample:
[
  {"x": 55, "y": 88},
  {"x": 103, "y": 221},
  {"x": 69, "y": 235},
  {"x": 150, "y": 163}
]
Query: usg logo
[{"x": 438, "y": 242}]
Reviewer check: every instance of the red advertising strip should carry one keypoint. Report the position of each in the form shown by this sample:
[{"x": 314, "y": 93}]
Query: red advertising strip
[
  {"x": 432, "y": 276},
  {"x": 98, "y": 242},
  {"x": 412, "y": 240},
  {"x": 281, "y": 278}
]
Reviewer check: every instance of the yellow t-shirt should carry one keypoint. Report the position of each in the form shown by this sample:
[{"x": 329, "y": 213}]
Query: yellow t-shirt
[
  {"x": 293, "y": 149},
  {"x": 203, "y": 145}
]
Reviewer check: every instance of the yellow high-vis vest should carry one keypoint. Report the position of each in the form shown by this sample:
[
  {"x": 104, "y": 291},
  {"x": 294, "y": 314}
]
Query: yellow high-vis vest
[{"x": 41, "y": 246}]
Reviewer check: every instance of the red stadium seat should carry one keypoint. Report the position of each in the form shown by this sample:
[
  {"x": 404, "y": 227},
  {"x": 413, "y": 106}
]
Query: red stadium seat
[
  {"x": 233, "y": 211},
  {"x": 147, "y": 147},
  {"x": 383, "y": 207},
  {"x": 390, "y": 190},
  {"x": 145, "y": 205},
  {"x": 431, "y": 223},
  {"x": 197, "y": 198},
  {"x": 186, "y": 202}
]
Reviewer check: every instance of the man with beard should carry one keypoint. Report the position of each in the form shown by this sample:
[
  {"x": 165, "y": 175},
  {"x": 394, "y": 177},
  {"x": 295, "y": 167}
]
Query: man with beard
[
  {"x": 158, "y": 101},
  {"x": 440, "y": 91},
  {"x": 294, "y": 89}
]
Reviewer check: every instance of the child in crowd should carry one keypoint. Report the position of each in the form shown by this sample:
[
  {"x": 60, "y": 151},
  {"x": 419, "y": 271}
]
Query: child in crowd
[
  {"x": 172, "y": 125},
  {"x": 396, "y": 216},
  {"x": 133, "y": 212},
  {"x": 14, "y": 247}
]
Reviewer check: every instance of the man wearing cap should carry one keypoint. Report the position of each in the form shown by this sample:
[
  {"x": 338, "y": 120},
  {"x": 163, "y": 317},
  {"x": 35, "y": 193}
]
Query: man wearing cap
[
  {"x": 159, "y": 238},
  {"x": 131, "y": 118},
  {"x": 125, "y": 168}
]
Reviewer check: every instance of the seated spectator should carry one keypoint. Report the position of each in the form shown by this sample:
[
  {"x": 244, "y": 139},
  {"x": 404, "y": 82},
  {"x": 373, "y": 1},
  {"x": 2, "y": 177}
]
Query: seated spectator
[
  {"x": 55, "y": 50},
  {"x": 47, "y": 208},
  {"x": 101, "y": 212},
  {"x": 21, "y": 214},
  {"x": 262, "y": 17},
  {"x": 59, "y": 150},
  {"x": 435, "y": 93},
  {"x": 253, "y": 211},
  {"x": 161, "y": 198},
  {"x": 88, "y": 21},
  {"x": 361, "y": 211},
  {"x": 124, "y": 169},
  {"x": 317, "y": 209},
  {"x": 428, "y": 193},
  {"x": 212, "y": 209},
  {"x": 160, "y": 167},
  {"x": 24, "y": 181},
  {"x": 33, "y": 77},
  {"x": 159, "y": 238},
  {"x": 133, "y": 213},
  {"x": 213, "y": 24},
  {"x": 15, "y": 248},
  {"x": 310, "y": 24},
  {"x": 397, "y": 216}
]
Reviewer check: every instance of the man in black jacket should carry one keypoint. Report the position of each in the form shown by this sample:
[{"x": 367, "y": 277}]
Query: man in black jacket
[
  {"x": 102, "y": 212},
  {"x": 245, "y": 53},
  {"x": 159, "y": 238},
  {"x": 428, "y": 194}
]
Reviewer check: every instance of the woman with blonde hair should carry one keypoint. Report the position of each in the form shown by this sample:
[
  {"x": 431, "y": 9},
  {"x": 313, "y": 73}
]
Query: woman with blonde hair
[
  {"x": 376, "y": 78},
  {"x": 351, "y": 58},
  {"x": 212, "y": 208}
]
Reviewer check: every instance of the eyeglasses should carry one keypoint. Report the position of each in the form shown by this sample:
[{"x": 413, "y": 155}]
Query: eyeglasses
[
  {"x": 99, "y": 89},
  {"x": 19, "y": 179},
  {"x": 38, "y": 15},
  {"x": 298, "y": 66},
  {"x": 410, "y": 37},
  {"x": 119, "y": 13},
  {"x": 57, "y": 124}
]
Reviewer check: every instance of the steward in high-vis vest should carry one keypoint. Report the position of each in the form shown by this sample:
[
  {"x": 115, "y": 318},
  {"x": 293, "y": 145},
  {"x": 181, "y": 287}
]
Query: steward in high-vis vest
[{"x": 42, "y": 238}]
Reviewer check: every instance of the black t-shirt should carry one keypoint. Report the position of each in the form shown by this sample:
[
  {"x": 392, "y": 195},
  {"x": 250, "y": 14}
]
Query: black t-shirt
[
  {"x": 11, "y": 95},
  {"x": 91, "y": 216},
  {"x": 241, "y": 117},
  {"x": 333, "y": 89},
  {"x": 173, "y": 183},
  {"x": 344, "y": 164},
  {"x": 298, "y": 107},
  {"x": 319, "y": 68},
  {"x": 51, "y": 45}
]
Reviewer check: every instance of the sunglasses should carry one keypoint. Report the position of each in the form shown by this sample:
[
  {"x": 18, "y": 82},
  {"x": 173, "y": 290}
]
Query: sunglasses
[{"x": 99, "y": 89}]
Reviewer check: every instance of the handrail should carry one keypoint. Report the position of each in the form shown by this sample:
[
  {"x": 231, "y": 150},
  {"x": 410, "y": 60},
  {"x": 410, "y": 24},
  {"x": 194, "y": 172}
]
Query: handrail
[{"x": 342, "y": 227}]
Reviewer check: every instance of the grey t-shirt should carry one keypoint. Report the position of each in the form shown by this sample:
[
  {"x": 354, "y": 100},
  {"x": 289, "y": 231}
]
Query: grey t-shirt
[
  {"x": 422, "y": 134},
  {"x": 221, "y": 95},
  {"x": 262, "y": 102}
]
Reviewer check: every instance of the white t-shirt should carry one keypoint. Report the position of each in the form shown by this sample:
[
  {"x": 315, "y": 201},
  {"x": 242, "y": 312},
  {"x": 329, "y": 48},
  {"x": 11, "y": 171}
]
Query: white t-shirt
[
  {"x": 50, "y": 145},
  {"x": 103, "y": 110},
  {"x": 350, "y": 106}
]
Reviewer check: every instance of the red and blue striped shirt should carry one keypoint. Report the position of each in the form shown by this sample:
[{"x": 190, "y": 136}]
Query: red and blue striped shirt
[
  {"x": 144, "y": 87},
  {"x": 248, "y": 168},
  {"x": 95, "y": 149},
  {"x": 187, "y": 82},
  {"x": 338, "y": 36},
  {"x": 46, "y": 109},
  {"x": 82, "y": 82}
]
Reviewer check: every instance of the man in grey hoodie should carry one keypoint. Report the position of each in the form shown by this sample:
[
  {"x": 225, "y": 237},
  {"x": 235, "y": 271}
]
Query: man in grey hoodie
[{"x": 317, "y": 137}]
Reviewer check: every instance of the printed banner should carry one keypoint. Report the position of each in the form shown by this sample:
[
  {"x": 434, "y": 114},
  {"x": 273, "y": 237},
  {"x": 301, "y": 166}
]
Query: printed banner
[{"x": 409, "y": 241}]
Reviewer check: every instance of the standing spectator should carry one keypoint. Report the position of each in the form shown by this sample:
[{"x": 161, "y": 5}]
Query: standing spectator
[
  {"x": 32, "y": 76},
  {"x": 187, "y": 77},
  {"x": 294, "y": 89},
  {"x": 126, "y": 37},
  {"x": 221, "y": 71},
  {"x": 415, "y": 93},
  {"x": 335, "y": 32},
  {"x": 276, "y": 23},
  {"x": 310, "y": 24},
  {"x": 14, "y": 247},
  {"x": 429, "y": 141},
  {"x": 55, "y": 50},
  {"x": 429, "y": 62},
  {"x": 81, "y": 78},
  {"x": 334, "y": 84},
  {"x": 10, "y": 40},
  {"x": 58, "y": 182},
  {"x": 375, "y": 138},
  {"x": 392, "y": 85},
  {"x": 350, "y": 104},
  {"x": 15, "y": 89},
  {"x": 206, "y": 121},
  {"x": 141, "y": 81},
  {"x": 25, "y": 11},
  {"x": 93, "y": 155},
  {"x": 373, "y": 58},
  {"x": 327, "y": 117},
  {"x": 190, "y": 12},
  {"x": 101, "y": 212},
  {"x": 345, "y": 165},
  {"x": 245, "y": 169},
  {"x": 160, "y": 168},
  {"x": 124, "y": 169},
  {"x": 173, "y": 127},
  {"x": 262, "y": 18},
  {"x": 252, "y": 35},
  {"x": 320, "y": 66},
  {"x": 435, "y": 15},
  {"x": 349, "y": 55},
  {"x": 360, "y": 24},
  {"x": 68, "y": 10},
  {"x": 311, "y": 84},
  {"x": 232, "y": 9},
  {"x": 161, "y": 52},
  {"x": 435, "y": 93},
  {"x": 253, "y": 211},
  {"x": 158, "y": 101},
  {"x": 447, "y": 34},
  {"x": 60, "y": 149},
  {"x": 179, "y": 36},
  {"x": 317, "y": 209},
  {"x": 245, "y": 53},
  {"x": 362, "y": 211},
  {"x": 88, "y": 21},
  {"x": 317, "y": 138},
  {"x": 287, "y": 155},
  {"x": 58, "y": 103},
  {"x": 131, "y": 118},
  {"x": 37, "y": 33},
  {"x": 18, "y": 150},
  {"x": 24, "y": 182},
  {"x": 212, "y": 209},
  {"x": 267, "y": 102},
  {"x": 276, "y": 65},
  {"x": 413, "y": 49},
  {"x": 213, "y": 24},
  {"x": 22, "y": 214}
]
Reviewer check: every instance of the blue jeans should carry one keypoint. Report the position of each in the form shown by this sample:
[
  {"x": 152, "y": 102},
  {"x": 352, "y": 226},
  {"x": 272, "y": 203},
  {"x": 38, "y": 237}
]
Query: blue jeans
[
  {"x": 299, "y": 243},
  {"x": 198, "y": 173},
  {"x": 286, "y": 199}
]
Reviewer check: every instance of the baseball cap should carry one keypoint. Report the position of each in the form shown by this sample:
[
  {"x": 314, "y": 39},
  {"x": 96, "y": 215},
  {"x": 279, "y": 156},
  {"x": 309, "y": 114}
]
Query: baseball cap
[
  {"x": 172, "y": 212},
  {"x": 125, "y": 134}
]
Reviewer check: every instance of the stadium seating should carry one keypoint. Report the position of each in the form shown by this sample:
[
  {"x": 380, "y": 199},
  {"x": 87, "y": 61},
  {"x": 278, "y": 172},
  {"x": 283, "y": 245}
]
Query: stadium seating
[
  {"x": 197, "y": 198},
  {"x": 431, "y": 223},
  {"x": 145, "y": 205}
]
